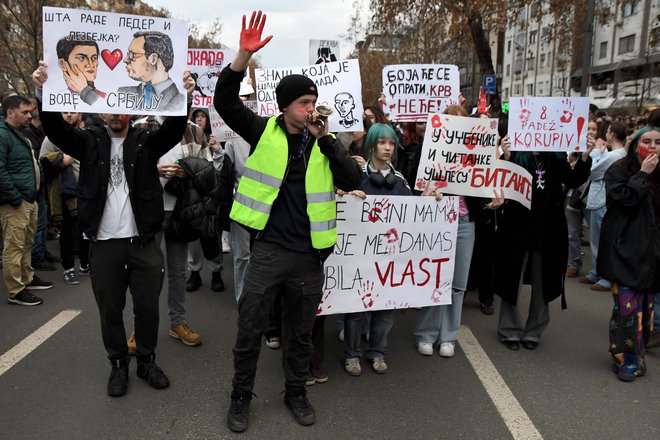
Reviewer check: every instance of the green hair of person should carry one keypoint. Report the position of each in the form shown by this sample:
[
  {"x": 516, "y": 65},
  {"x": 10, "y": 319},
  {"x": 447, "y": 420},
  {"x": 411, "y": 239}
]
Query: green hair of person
[{"x": 378, "y": 131}]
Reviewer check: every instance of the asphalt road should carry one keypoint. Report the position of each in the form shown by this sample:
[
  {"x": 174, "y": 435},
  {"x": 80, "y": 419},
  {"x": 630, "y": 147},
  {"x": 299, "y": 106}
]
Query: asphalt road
[{"x": 563, "y": 390}]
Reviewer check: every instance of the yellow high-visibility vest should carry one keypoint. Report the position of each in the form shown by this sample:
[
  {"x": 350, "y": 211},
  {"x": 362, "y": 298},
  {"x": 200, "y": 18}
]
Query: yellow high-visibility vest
[{"x": 262, "y": 179}]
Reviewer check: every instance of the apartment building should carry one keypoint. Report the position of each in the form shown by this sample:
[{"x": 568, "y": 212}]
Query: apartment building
[{"x": 624, "y": 56}]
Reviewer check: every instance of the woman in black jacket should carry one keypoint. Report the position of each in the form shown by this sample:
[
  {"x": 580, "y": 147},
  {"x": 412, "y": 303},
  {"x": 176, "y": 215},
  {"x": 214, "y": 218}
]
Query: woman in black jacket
[{"x": 629, "y": 250}]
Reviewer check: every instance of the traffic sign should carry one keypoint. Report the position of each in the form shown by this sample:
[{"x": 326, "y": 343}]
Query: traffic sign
[{"x": 489, "y": 83}]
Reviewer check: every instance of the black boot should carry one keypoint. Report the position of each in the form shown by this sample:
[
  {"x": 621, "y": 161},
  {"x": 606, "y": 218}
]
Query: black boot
[
  {"x": 239, "y": 411},
  {"x": 302, "y": 410},
  {"x": 194, "y": 282},
  {"x": 149, "y": 371},
  {"x": 118, "y": 382},
  {"x": 217, "y": 285}
]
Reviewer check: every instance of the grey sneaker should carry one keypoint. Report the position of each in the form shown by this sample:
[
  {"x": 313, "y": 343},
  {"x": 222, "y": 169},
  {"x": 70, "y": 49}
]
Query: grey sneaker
[
  {"x": 352, "y": 366},
  {"x": 25, "y": 298},
  {"x": 379, "y": 365},
  {"x": 70, "y": 277},
  {"x": 83, "y": 270}
]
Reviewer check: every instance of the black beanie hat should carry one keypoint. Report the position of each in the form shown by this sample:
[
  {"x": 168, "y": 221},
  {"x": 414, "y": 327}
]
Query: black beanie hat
[{"x": 292, "y": 87}]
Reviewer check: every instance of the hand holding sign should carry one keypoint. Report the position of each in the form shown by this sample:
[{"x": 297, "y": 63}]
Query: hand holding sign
[{"x": 250, "y": 40}]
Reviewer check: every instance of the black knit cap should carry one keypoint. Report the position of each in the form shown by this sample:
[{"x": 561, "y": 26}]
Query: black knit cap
[{"x": 292, "y": 87}]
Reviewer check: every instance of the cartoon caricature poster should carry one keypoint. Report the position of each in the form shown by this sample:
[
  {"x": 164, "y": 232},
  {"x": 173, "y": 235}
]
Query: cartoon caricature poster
[
  {"x": 104, "y": 62},
  {"x": 548, "y": 124},
  {"x": 205, "y": 66},
  {"x": 339, "y": 87}
]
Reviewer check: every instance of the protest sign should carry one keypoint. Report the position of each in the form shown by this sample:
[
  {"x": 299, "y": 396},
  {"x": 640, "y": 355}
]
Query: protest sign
[
  {"x": 548, "y": 124},
  {"x": 220, "y": 129},
  {"x": 205, "y": 66},
  {"x": 338, "y": 85},
  {"x": 413, "y": 91},
  {"x": 392, "y": 252},
  {"x": 323, "y": 51},
  {"x": 98, "y": 62},
  {"x": 459, "y": 156}
]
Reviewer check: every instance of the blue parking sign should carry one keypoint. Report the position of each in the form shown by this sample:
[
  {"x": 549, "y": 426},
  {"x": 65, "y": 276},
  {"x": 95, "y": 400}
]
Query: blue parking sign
[{"x": 489, "y": 83}]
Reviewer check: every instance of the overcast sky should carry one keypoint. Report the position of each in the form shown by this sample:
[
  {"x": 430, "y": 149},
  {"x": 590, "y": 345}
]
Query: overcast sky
[{"x": 291, "y": 22}]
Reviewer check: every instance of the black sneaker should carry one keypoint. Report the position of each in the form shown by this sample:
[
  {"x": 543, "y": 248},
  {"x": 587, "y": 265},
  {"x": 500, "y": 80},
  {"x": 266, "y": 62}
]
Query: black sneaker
[
  {"x": 487, "y": 308},
  {"x": 118, "y": 382},
  {"x": 149, "y": 371},
  {"x": 302, "y": 410},
  {"x": 194, "y": 282},
  {"x": 39, "y": 284},
  {"x": 217, "y": 285},
  {"x": 43, "y": 264},
  {"x": 239, "y": 412},
  {"x": 83, "y": 270},
  {"x": 25, "y": 298}
]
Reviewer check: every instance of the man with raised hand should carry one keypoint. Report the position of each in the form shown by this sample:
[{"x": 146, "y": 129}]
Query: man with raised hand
[
  {"x": 286, "y": 199},
  {"x": 120, "y": 209}
]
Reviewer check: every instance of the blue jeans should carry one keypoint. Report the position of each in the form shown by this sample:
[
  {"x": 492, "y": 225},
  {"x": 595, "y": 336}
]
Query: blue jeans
[
  {"x": 595, "y": 222},
  {"x": 379, "y": 327},
  {"x": 438, "y": 324},
  {"x": 41, "y": 236},
  {"x": 656, "y": 309}
]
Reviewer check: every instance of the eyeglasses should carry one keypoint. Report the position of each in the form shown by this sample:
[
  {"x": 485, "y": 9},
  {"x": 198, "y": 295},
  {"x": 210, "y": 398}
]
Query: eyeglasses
[{"x": 131, "y": 56}]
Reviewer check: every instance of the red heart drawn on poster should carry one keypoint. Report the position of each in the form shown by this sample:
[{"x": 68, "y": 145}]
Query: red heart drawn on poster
[
  {"x": 435, "y": 121},
  {"x": 113, "y": 58}
]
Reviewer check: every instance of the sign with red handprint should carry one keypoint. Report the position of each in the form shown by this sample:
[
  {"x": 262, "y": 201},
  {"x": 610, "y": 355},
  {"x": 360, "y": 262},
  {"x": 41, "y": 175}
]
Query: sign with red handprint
[
  {"x": 392, "y": 252},
  {"x": 548, "y": 124},
  {"x": 459, "y": 156}
]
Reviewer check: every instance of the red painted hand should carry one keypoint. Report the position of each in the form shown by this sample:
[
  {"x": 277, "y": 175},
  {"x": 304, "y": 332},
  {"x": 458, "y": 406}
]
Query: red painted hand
[{"x": 251, "y": 36}]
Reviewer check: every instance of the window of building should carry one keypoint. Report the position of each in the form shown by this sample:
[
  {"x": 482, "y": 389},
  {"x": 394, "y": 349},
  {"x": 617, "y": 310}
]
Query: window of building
[
  {"x": 603, "y": 50},
  {"x": 531, "y": 61},
  {"x": 631, "y": 8},
  {"x": 532, "y": 37},
  {"x": 517, "y": 65},
  {"x": 542, "y": 61},
  {"x": 517, "y": 89},
  {"x": 505, "y": 94},
  {"x": 508, "y": 70},
  {"x": 530, "y": 89},
  {"x": 540, "y": 89},
  {"x": 508, "y": 46},
  {"x": 626, "y": 44}
]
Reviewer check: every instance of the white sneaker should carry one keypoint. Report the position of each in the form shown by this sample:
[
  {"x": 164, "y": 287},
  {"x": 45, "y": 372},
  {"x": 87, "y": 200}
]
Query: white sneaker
[
  {"x": 341, "y": 335},
  {"x": 352, "y": 366},
  {"x": 425, "y": 348},
  {"x": 447, "y": 349},
  {"x": 379, "y": 365}
]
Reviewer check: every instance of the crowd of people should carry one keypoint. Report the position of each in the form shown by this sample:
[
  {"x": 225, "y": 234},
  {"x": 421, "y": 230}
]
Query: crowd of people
[{"x": 116, "y": 188}]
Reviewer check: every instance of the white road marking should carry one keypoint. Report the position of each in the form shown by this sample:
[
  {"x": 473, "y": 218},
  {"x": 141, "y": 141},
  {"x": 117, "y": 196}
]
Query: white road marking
[
  {"x": 514, "y": 416},
  {"x": 38, "y": 337}
]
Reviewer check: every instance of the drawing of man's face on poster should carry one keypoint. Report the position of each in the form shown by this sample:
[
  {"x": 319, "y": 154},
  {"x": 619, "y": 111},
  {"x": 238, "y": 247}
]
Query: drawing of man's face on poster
[
  {"x": 81, "y": 57},
  {"x": 207, "y": 81},
  {"x": 345, "y": 104},
  {"x": 79, "y": 62}
]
